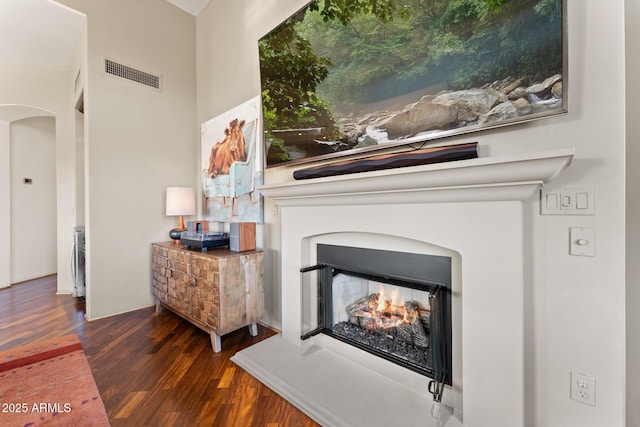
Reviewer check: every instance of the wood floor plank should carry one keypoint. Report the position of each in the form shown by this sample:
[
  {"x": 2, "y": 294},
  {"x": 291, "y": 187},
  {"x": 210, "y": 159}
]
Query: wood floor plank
[
  {"x": 152, "y": 369},
  {"x": 227, "y": 377},
  {"x": 131, "y": 403}
]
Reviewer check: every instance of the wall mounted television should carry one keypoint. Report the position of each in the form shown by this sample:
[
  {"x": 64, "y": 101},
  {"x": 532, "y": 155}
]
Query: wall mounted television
[{"x": 341, "y": 77}]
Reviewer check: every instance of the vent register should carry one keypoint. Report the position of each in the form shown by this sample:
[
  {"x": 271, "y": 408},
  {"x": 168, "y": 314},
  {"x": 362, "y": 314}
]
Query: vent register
[{"x": 129, "y": 73}]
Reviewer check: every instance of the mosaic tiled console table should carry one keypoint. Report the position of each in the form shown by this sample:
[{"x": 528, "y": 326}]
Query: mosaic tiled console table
[{"x": 218, "y": 291}]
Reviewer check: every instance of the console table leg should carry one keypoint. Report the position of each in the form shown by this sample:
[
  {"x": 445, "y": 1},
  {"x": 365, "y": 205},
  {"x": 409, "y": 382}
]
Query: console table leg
[
  {"x": 215, "y": 342},
  {"x": 253, "y": 329}
]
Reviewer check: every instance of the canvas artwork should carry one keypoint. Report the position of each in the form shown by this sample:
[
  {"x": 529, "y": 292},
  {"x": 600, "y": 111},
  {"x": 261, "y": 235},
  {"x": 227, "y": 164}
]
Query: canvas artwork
[
  {"x": 345, "y": 77},
  {"x": 232, "y": 165}
]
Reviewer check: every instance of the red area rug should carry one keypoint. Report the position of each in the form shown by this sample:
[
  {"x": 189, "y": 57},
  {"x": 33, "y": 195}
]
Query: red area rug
[{"x": 49, "y": 383}]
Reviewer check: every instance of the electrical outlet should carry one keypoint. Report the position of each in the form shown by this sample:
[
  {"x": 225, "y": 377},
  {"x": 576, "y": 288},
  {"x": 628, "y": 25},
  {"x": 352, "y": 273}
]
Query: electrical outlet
[{"x": 583, "y": 388}]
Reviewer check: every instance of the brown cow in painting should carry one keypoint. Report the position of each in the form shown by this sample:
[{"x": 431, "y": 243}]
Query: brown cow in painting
[{"x": 230, "y": 149}]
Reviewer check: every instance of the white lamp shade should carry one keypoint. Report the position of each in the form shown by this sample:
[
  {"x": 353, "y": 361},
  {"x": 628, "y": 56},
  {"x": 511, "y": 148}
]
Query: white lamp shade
[{"x": 181, "y": 201}]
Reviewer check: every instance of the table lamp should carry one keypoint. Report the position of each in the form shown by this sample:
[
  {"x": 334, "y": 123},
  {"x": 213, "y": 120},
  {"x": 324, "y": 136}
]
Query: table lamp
[{"x": 180, "y": 201}]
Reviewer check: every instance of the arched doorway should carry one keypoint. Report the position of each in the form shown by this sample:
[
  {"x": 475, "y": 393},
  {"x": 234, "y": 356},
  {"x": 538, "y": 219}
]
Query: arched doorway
[
  {"x": 27, "y": 193},
  {"x": 39, "y": 65}
]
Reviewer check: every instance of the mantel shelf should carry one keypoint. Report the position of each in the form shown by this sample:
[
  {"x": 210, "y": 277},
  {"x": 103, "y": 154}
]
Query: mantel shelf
[{"x": 514, "y": 177}]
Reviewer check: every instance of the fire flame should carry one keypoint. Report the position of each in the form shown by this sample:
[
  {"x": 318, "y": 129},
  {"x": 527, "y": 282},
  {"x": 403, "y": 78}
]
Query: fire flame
[
  {"x": 406, "y": 321},
  {"x": 389, "y": 313}
]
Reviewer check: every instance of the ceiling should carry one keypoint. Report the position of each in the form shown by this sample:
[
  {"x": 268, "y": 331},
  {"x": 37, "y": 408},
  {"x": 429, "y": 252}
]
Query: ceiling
[
  {"x": 192, "y": 6},
  {"x": 44, "y": 32},
  {"x": 38, "y": 32}
]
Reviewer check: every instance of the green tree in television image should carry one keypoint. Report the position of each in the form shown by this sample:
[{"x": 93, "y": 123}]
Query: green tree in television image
[{"x": 291, "y": 71}]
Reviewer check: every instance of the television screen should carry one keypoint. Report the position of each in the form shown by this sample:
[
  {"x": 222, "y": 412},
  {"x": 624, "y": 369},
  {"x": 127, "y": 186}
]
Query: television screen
[{"x": 341, "y": 77}]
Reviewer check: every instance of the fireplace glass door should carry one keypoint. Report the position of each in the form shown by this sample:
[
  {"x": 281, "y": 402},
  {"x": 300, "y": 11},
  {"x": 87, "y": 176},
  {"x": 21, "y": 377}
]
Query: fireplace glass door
[{"x": 391, "y": 304}]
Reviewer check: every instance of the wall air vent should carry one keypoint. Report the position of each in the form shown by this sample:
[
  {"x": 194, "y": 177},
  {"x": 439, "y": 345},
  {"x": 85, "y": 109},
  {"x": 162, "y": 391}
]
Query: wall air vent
[{"x": 129, "y": 73}]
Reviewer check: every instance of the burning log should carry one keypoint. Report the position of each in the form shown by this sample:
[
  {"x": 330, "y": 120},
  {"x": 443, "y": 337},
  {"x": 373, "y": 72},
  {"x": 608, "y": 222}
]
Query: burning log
[
  {"x": 405, "y": 322},
  {"x": 420, "y": 337},
  {"x": 363, "y": 309}
]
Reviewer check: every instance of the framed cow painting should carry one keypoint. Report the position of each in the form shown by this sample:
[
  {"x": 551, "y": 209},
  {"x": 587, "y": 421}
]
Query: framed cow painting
[{"x": 232, "y": 165}]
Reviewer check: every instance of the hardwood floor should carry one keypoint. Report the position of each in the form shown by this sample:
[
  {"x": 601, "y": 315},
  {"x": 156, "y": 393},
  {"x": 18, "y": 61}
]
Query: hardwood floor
[{"x": 152, "y": 369}]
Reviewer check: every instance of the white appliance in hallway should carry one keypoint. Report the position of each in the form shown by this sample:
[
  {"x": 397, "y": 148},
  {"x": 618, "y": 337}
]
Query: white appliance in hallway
[{"x": 77, "y": 262}]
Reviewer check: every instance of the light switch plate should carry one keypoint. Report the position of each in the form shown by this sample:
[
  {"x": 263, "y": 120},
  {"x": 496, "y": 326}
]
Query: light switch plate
[
  {"x": 582, "y": 241},
  {"x": 566, "y": 201}
]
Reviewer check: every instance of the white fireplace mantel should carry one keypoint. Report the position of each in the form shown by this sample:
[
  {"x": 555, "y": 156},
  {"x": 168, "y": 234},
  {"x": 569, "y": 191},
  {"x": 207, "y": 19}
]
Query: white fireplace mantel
[
  {"x": 418, "y": 209},
  {"x": 514, "y": 177}
]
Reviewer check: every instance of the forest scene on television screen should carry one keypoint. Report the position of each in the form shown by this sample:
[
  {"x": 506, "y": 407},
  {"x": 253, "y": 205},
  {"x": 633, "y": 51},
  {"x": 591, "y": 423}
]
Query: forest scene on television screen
[{"x": 345, "y": 74}]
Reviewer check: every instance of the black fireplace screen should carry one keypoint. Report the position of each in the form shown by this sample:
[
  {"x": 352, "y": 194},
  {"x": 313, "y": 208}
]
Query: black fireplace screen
[{"x": 395, "y": 305}]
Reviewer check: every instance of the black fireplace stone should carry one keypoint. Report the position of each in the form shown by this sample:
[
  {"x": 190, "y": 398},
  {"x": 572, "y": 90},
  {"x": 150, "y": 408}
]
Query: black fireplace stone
[{"x": 386, "y": 343}]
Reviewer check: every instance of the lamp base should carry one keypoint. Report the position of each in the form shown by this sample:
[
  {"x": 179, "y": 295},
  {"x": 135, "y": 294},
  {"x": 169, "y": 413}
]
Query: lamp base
[{"x": 175, "y": 234}]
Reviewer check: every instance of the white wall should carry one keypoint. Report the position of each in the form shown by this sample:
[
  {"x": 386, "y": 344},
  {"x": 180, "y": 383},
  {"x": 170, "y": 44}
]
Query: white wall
[
  {"x": 632, "y": 15},
  {"x": 576, "y": 319},
  {"x": 224, "y": 84},
  {"x": 5, "y": 203},
  {"x": 79, "y": 71},
  {"x": 80, "y": 189},
  {"x": 33, "y": 206},
  {"x": 138, "y": 141}
]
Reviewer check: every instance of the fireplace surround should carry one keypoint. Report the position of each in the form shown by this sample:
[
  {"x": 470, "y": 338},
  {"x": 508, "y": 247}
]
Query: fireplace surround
[
  {"x": 474, "y": 212},
  {"x": 394, "y": 305}
]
